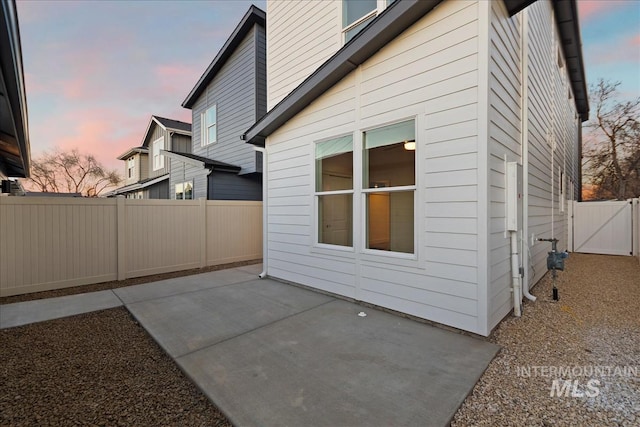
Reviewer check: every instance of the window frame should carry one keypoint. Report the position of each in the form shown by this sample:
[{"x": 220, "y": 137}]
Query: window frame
[
  {"x": 205, "y": 126},
  {"x": 402, "y": 188},
  {"x": 317, "y": 194},
  {"x": 183, "y": 184},
  {"x": 131, "y": 165},
  {"x": 157, "y": 158},
  {"x": 381, "y": 5},
  {"x": 359, "y": 249}
]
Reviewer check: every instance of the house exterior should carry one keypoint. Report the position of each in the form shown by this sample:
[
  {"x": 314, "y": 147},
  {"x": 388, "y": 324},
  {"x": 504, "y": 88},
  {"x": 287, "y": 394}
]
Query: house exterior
[
  {"x": 228, "y": 98},
  {"x": 147, "y": 167},
  {"x": 416, "y": 150},
  {"x": 15, "y": 152}
]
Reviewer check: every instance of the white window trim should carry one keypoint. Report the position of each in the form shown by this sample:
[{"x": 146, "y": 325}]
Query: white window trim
[
  {"x": 204, "y": 126},
  {"x": 160, "y": 163},
  {"x": 381, "y": 5},
  {"x": 131, "y": 167},
  {"x": 316, "y": 205},
  {"x": 359, "y": 248},
  {"x": 183, "y": 183}
]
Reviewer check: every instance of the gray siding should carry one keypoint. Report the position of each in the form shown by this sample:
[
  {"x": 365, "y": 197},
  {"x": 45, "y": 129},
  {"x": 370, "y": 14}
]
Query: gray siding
[
  {"x": 233, "y": 90},
  {"x": 229, "y": 186},
  {"x": 181, "y": 143},
  {"x": 261, "y": 73},
  {"x": 182, "y": 172},
  {"x": 157, "y": 191}
]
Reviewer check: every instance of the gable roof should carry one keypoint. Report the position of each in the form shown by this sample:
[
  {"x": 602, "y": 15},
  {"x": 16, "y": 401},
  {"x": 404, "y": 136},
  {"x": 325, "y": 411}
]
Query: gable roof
[
  {"x": 170, "y": 124},
  {"x": 253, "y": 16},
  {"x": 399, "y": 16},
  {"x": 131, "y": 151},
  {"x": 203, "y": 161}
]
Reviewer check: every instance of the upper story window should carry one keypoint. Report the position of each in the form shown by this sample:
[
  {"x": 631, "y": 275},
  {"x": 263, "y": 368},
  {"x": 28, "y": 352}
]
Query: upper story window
[
  {"x": 209, "y": 126},
  {"x": 131, "y": 164},
  {"x": 356, "y": 14},
  {"x": 158, "y": 159}
]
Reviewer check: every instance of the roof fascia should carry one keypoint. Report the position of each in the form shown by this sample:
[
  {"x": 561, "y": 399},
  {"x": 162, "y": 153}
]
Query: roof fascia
[
  {"x": 253, "y": 16},
  {"x": 184, "y": 159},
  {"x": 384, "y": 28},
  {"x": 12, "y": 75}
]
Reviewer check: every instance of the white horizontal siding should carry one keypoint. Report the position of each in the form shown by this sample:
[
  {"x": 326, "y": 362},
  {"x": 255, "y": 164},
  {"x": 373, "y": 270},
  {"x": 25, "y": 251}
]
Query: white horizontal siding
[
  {"x": 429, "y": 70},
  {"x": 551, "y": 116},
  {"x": 301, "y": 35}
]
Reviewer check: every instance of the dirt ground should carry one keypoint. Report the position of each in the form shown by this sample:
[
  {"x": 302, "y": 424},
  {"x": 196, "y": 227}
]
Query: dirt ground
[{"x": 120, "y": 283}]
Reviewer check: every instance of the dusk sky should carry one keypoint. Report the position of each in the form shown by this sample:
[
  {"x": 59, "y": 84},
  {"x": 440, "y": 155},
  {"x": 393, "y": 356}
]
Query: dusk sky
[{"x": 96, "y": 71}]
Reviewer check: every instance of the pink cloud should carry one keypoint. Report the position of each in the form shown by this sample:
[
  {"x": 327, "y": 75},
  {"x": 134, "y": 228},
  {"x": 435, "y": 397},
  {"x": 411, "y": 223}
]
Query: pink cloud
[
  {"x": 589, "y": 9},
  {"x": 626, "y": 51}
]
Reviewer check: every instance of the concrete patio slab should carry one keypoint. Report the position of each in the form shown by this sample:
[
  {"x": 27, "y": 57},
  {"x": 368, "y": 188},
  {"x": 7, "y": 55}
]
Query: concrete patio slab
[
  {"x": 184, "y": 284},
  {"x": 254, "y": 269},
  {"x": 23, "y": 313},
  {"x": 328, "y": 366},
  {"x": 194, "y": 320}
]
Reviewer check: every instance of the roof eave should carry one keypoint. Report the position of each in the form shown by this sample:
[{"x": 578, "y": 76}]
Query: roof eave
[
  {"x": 388, "y": 25},
  {"x": 384, "y": 28},
  {"x": 569, "y": 27},
  {"x": 253, "y": 16},
  {"x": 18, "y": 159}
]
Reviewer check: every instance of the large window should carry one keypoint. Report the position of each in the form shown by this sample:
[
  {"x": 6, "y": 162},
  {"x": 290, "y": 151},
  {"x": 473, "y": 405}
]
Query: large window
[
  {"x": 184, "y": 191},
  {"x": 389, "y": 185},
  {"x": 209, "y": 122},
  {"x": 158, "y": 159},
  {"x": 334, "y": 191}
]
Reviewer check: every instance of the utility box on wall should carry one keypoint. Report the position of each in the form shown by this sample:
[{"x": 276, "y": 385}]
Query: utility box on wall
[{"x": 513, "y": 198}]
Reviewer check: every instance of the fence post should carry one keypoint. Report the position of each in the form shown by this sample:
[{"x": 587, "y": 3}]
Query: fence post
[
  {"x": 121, "y": 230},
  {"x": 203, "y": 233},
  {"x": 570, "y": 228}
]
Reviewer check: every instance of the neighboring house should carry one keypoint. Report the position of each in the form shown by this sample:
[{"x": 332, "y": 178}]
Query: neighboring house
[
  {"x": 392, "y": 130},
  {"x": 147, "y": 167},
  {"x": 229, "y": 97},
  {"x": 14, "y": 130}
]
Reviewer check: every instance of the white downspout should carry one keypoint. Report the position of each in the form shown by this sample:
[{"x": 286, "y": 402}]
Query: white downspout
[
  {"x": 265, "y": 259},
  {"x": 516, "y": 283},
  {"x": 524, "y": 61}
]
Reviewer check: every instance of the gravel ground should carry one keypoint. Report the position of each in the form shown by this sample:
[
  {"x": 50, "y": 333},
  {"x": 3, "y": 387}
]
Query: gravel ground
[
  {"x": 96, "y": 369},
  {"x": 594, "y": 325},
  {"x": 119, "y": 284}
]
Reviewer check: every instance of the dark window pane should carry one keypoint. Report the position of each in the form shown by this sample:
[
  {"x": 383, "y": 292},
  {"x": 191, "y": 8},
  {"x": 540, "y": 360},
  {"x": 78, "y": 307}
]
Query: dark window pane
[{"x": 352, "y": 10}]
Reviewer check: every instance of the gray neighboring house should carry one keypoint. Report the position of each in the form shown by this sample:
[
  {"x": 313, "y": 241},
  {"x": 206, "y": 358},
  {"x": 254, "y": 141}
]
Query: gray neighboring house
[
  {"x": 228, "y": 98},
  {"x": 147, "y": 167},
  {"x": 14, "y": 130}
]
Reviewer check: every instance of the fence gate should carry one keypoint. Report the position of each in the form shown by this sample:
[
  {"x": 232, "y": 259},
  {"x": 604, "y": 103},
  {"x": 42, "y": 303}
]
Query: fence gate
[{"x": 604, "y": 227}]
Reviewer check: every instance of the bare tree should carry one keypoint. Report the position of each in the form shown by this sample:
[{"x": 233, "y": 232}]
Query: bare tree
[
  {"x": 611, "y": 161},
  {"x": 71, "y": 172}
]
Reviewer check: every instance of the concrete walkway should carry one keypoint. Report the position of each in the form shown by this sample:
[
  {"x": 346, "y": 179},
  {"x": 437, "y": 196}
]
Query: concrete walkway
[{"x": 269, "y": 354}]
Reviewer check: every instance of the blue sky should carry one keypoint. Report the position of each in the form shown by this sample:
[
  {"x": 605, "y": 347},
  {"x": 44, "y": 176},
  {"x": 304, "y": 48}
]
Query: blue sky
[{"x": 96, "y": 71}]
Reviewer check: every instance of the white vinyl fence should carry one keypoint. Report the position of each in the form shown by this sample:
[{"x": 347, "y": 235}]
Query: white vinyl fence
[
  {"x": 51, "y": 243},
  {"x": 610, "y": 227}
]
